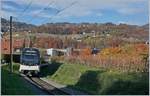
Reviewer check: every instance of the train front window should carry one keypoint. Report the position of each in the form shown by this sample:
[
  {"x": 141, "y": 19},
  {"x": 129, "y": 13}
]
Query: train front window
[{"x": 30, "y": 57}]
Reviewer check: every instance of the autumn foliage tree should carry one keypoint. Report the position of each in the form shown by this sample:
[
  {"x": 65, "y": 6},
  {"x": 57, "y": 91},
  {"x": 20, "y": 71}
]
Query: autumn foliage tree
[
  {"x": 86, "y": 52},
  {"x": 111, "y": 51},
  {"x": 131, "y": 58}
]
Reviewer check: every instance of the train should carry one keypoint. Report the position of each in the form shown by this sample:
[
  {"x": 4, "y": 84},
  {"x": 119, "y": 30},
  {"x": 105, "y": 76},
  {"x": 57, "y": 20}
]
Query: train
[{"x": 30, "y": 61}]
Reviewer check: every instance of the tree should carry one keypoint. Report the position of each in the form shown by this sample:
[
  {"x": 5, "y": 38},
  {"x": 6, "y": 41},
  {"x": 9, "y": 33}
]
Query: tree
[{"x": 86, "y": 52}]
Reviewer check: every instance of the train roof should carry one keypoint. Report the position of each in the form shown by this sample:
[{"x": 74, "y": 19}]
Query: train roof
[{"x": 30, "y": 49}]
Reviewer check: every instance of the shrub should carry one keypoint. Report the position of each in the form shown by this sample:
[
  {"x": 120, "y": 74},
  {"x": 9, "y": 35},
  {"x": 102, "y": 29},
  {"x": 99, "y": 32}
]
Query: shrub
[{"x": 132, "y": 58}]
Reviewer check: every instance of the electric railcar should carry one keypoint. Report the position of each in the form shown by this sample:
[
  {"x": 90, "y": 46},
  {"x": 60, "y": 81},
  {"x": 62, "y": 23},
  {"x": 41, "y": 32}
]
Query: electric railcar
[{"x": 30, "y": 61}]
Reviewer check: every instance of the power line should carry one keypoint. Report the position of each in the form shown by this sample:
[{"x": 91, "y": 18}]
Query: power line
[
  {"x": 43, "y": 9},
  {"x": 58, "y": 12},
  {"x": 25, "y": 9}
]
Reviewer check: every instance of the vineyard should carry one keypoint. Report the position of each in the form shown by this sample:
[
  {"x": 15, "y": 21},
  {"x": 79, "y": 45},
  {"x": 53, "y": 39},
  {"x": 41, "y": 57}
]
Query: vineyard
[{"x": 129, "y": 58}]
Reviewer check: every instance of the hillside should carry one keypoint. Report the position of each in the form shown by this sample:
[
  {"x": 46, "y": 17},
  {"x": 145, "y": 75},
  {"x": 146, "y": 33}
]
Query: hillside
[
  {"x": 17, "y": 26},
  {"x": 146, "y": 27},
  {"x": 121, "y": 30}
]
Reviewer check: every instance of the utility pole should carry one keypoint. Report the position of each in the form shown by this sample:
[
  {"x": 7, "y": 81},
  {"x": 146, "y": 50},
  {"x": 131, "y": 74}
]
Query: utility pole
[
  {"x": 11, "y": 49},
  {"x": 29, "y": 38}
]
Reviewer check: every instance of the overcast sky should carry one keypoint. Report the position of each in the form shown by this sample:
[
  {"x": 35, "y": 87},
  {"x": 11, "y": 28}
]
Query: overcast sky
[{"x": 76, "y": 11}]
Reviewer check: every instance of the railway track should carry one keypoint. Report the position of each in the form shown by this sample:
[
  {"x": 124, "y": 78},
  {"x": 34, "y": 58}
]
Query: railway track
[{"x": 50, "y": 89}]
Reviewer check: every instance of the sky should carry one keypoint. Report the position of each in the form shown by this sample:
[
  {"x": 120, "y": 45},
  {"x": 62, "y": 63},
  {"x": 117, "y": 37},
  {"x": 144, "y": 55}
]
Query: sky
[{"x": 134, "y": 12}]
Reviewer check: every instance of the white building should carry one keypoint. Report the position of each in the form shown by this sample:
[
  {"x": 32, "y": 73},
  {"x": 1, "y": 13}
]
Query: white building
[
  {"x": 52, "y": 52},
  {"x": 55, "y": 52}
]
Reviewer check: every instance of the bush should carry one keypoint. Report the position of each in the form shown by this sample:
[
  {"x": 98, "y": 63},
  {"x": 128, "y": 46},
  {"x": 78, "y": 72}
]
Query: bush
[{"x": 118, "y": 58}]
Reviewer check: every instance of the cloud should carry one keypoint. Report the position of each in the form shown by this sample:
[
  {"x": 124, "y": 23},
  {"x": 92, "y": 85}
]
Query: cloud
[
  {"x": 99, "y": 14},
  {"x": 80, "y": 9},
  {"x": 6, "y": 14},
  {"x": 85, "y": 7},
  {"x": 128, "y": 11},
  {"x": 130, "y": 22}
]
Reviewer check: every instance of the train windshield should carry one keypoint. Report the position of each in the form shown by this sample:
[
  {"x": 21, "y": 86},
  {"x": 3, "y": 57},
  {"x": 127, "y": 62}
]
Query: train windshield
[{"x": 30, "y": 57}]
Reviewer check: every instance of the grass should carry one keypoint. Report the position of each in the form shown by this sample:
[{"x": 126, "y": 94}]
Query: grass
[
  {"x": 71, "y": 73},
  {"x": 13, "y": 84},
  {"x": 98, "y": 81}
]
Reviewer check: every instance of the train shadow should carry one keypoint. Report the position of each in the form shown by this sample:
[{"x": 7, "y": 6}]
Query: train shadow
[{"x": 49, "y": 69}]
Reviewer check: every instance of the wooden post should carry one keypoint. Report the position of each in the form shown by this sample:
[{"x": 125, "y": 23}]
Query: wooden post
[{"x": 11, "y": 49}]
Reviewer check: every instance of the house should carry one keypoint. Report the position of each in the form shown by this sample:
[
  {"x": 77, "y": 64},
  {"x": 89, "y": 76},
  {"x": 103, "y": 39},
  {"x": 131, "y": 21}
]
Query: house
[
  {"x": 55, "y": 52},
  {"x": 95, "y": 51},
  {"x": 52, "y": 52},
  {"x": 147, "y": 42}
]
